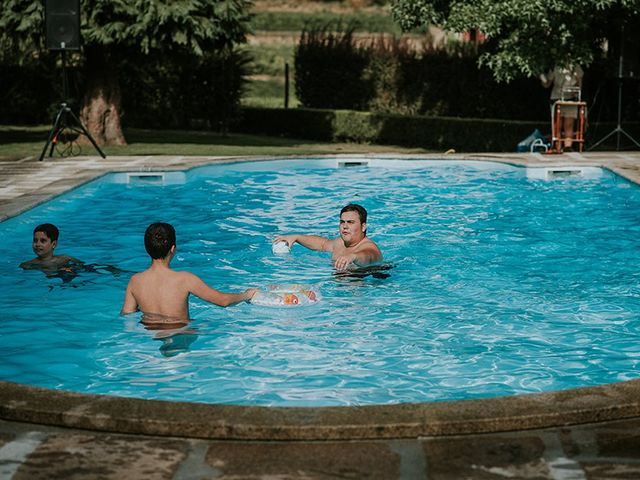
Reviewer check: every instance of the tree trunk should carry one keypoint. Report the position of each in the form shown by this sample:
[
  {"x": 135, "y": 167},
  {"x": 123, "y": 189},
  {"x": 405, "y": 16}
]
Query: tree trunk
[{"x": 101, "y": 109}]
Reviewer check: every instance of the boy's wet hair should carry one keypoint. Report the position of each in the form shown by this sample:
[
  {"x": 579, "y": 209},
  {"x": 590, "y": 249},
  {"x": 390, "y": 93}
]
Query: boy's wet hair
[
  {"x": 158, "y": 239},
  {"x": 354, "y": 207},
  {"x": 49, "y": 229}
]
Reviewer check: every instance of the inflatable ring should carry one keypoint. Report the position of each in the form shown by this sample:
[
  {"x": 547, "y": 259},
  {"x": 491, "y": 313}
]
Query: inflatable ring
[{"x": 286, "y": 295}]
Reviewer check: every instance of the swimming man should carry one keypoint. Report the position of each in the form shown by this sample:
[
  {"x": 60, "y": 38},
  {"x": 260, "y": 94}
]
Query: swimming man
[
  {"x": 351, "y": 249},
  {"x": 161, "y": 293}
]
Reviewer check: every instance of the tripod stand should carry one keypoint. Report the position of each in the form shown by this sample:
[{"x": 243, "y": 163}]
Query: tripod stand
[
  {"x": 65, "y": 120},
  {"x": 618, "y": 130}
]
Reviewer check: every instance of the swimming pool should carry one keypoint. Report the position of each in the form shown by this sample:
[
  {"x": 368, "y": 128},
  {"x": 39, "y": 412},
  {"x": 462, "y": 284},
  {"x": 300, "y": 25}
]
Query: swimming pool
[{"x": 504, "y": 281}]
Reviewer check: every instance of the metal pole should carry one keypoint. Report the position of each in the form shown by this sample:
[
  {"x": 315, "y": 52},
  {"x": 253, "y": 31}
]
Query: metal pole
[
  {"x": 65, "y": 79},
  {"x": 620, "y": 61},
  {"x": 286, "y": 85},
  {"x": 618, "y": 127}
]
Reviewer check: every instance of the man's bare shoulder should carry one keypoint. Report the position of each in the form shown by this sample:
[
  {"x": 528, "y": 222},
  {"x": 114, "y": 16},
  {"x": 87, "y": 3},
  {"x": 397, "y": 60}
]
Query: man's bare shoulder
[
  {"x": 332, "y": 244},
  {"x": 370, "y": 247},
  {"x": 367, "y": 244}
]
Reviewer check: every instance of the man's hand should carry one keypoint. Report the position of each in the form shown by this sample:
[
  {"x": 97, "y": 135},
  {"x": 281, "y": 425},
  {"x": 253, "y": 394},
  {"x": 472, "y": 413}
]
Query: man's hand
[
  {"x": 343, "y": 261},
  {"x": 249, "y": 293},
  {"x": 288, "y": 239}
]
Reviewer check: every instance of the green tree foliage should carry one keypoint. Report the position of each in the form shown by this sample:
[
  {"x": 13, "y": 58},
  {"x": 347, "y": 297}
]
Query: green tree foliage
[
  {"x": 115, "y": 32},
  {"x": 526, "y": 37},
  {"x": 21, "y": 31}
]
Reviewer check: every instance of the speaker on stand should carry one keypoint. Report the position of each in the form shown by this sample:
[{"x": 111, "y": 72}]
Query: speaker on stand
[
  {"x": 62, "y": 33},
  {"x": 62, "y": 24}
]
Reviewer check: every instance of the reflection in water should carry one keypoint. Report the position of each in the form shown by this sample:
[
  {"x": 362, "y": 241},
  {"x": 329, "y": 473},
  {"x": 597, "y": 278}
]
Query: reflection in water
[
  {"x": 376, "y": 271},
  {"x": 175, "y": 341},
  {"x": 71, "y": 270},
  {"x": 174, "y": 333}
]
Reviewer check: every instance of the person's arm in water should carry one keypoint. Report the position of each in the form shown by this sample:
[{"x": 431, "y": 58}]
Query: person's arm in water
[
  {"x": 130, "y": 302},
  {"x": 201, "y": 290},
  {"x": 59, "y": 261},
  {"x": 72, "y": 260},
  {"x": 193, "y": 284},
  {"x": 312, "y": 242},
  {"x": 29, "y": 265},
  {"x": 367, "y": 255}
]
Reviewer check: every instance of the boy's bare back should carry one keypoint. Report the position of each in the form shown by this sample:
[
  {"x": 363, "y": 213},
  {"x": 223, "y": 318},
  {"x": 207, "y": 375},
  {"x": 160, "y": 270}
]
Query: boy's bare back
[{"x": 163, "y": 292}]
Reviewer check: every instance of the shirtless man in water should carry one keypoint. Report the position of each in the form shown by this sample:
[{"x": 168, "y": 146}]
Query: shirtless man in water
[
  {"x": 351, "y": 249},
  {"x": 161, "y": 293}
]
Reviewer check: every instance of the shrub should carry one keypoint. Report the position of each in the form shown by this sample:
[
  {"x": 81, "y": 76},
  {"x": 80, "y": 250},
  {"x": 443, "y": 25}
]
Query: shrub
[
  {"x": 30, "y": 93},
  {"x": 436, "y": 133},
  {"x": 329, "y": 69},
  {"x": 333, "y": 70},
  {"x": 202, "y": 92}
]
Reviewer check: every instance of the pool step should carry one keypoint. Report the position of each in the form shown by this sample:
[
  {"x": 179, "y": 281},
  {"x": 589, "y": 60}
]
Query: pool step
[{"x": 553, "y": 173}]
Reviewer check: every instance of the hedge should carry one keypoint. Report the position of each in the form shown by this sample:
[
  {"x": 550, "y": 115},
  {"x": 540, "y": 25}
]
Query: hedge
[{"x": 433, "y": 133}]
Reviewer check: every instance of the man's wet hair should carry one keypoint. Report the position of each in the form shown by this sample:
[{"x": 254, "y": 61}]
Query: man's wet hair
[
  {"x": 354, "y": 207},
  {"x": 158, "y": 239},
  {"x": 49, "y": 229}
]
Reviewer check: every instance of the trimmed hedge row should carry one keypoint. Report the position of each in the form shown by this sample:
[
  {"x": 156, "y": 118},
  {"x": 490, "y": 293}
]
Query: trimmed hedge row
[
  {"x": 436, "y": 133},
  {"x": 433, "y": 133}
]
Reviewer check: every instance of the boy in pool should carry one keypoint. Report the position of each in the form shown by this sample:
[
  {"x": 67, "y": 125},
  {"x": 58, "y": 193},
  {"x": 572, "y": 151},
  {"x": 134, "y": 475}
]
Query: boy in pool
[
  {"x": 161, "y": 293},
  {"x": 45, "y": 240},
  {"x": 351, "y": 249}
]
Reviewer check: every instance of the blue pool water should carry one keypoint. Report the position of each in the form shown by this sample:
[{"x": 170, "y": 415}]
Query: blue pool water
[{"x": 504, "y": 281}]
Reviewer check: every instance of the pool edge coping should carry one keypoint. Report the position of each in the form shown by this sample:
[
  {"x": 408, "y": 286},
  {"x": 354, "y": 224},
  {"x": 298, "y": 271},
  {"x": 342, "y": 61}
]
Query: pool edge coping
[
  {"x": 68, "y": 174},
  {"x": 563, "y": 408}
]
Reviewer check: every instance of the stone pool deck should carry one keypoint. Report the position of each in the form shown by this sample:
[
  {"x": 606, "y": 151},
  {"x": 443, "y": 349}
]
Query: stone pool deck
[{"x": 591, "y": 433}]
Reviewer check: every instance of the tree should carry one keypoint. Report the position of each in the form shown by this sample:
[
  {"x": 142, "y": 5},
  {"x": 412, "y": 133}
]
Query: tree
[
  {"x": 525, "y": 37},
  {"x": 117, "y": 31}
]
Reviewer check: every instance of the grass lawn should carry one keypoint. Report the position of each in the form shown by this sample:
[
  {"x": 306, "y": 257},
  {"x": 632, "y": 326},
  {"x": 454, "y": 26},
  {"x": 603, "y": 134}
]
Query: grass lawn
[
  {"x": 373, "y": 22},
  {"x": 21, "y": 142},
  {"x": 265, "y": 87},
  {"x": 268, "y": 93}
]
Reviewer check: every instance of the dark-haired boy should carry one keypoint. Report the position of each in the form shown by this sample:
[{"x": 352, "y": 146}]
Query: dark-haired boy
[
  {"x": 351, "y": 249},
  {"x": 161, "y": 293},
  {"x": 45, "y": 240}
]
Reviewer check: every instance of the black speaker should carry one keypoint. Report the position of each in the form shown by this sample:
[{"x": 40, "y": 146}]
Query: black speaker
[{"x": 62, "y": 21}]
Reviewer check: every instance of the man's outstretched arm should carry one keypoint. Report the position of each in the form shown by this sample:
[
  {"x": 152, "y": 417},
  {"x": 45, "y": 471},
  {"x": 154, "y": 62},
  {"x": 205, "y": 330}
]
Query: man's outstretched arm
[{"x": 312, "y": 242}]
